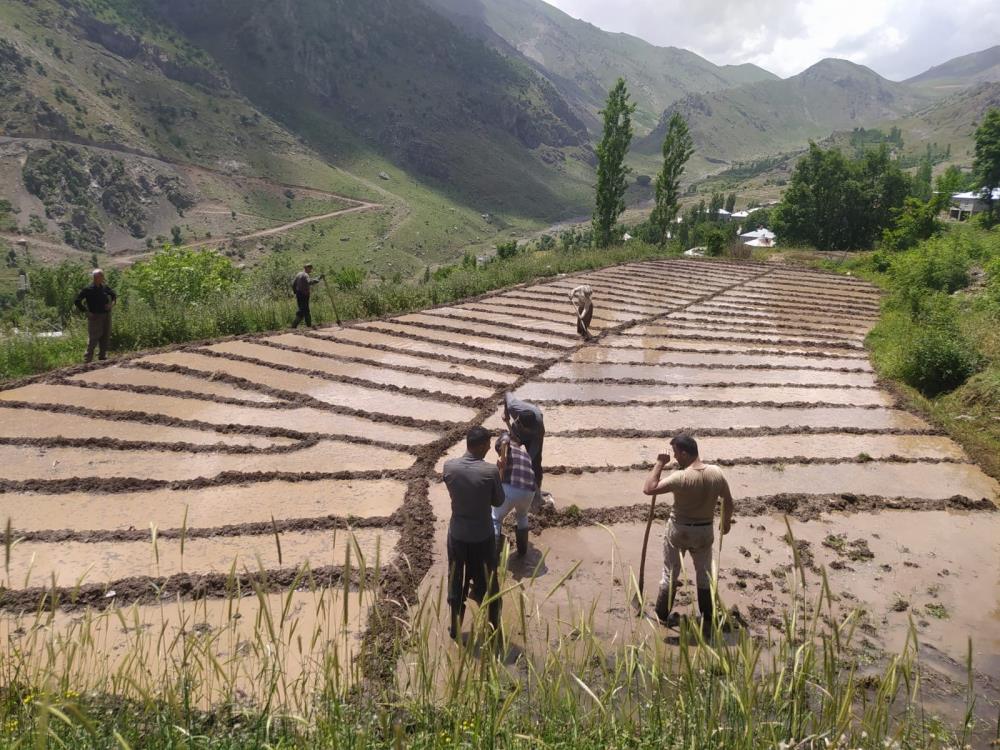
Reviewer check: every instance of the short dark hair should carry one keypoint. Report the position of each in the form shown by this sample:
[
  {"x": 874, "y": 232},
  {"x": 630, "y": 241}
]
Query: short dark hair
[
  {"x": 477, "y": 437},
  {"x": 684, "y": 442}
]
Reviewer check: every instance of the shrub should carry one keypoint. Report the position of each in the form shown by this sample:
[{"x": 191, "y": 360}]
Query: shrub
[
  {"x": 349, "y": 278},
  {"x": 938, "y": 360},
  {"x": 178, "y": 275},
  {"x": 507, "y": 249}
]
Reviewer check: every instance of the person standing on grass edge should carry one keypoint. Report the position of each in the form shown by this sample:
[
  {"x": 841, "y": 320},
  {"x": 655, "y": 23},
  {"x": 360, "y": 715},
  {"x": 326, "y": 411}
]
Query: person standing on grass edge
[
  {"x": 475, "y": 489},
  {"x": 696, "y": 487},
  {"x": 302, "y": 286},
  {"x": 100, "y": 298}
]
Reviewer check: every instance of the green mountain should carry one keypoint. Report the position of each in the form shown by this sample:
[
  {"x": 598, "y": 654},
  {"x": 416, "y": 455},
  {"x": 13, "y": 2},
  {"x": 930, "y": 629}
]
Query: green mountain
[
  {"x": 583, "y": 62},
  {"x": 961, "y": 72},
  {"x": 383, "y": 101},
  {"x": 773, "y": 117}
]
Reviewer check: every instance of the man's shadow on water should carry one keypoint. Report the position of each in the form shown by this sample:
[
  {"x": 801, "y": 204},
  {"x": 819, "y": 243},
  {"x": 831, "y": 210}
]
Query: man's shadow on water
[{"x": 508, "y": 651}]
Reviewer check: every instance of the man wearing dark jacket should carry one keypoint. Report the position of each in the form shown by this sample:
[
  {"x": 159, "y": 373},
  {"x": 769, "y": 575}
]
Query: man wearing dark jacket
[
  {"x": 302, "y": 286},
  {"x": 475, "y": 489},
  {"x": 99, "y": 298}
]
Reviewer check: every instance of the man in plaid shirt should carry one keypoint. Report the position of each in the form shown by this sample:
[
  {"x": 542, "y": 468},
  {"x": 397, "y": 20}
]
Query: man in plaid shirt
[{"x": 518, "y": 479}]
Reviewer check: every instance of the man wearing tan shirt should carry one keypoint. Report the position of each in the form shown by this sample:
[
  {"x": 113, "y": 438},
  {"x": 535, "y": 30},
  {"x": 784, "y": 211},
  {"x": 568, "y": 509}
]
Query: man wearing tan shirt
[{"x": 696, "y": 487}]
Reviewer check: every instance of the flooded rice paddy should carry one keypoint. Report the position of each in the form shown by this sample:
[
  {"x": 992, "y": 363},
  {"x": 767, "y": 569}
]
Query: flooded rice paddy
[{"x": 145, "y": 487}]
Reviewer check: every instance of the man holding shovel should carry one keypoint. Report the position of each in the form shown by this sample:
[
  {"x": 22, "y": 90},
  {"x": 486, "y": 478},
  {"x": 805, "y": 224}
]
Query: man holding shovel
[
  {"x": 697, "y": 488},
  {"x": 582, "y": 298},
  {"x": 302, "y": 286},
  {"x": 527, "y": 425}
]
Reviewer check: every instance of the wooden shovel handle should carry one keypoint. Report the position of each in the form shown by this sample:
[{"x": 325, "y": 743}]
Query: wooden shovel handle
[{"x": 645, "y": 544}]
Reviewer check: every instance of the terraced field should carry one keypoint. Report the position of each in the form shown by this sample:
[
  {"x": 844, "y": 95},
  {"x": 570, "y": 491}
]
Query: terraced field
[{"x": 187, "y": 487}]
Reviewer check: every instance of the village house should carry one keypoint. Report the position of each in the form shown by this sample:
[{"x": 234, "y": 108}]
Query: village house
[{"x": 964, "y": 205}]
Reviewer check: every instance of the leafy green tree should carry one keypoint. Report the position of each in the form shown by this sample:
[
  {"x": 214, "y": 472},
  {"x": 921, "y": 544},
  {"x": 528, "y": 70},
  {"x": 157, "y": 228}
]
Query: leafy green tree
[
  {"x": 987, "y": 162},
  {"x": 677, "y": 149},
  {"x": 715, "y": 205},
  {"x": 612, "y": 173},
  {"x": 922, "y": 185},
  {"x": 915, "y": 221},
  {"x": 949, "y": 182},
  {"x": 834, "y": 203},
  {"x": 731, "y": 202},
  {"x": 175, "y": 233},
  {"x": 180, "y": 275}
]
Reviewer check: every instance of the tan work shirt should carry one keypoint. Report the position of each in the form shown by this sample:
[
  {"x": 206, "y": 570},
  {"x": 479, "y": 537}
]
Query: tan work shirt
[{"x": 696, "y": 492}]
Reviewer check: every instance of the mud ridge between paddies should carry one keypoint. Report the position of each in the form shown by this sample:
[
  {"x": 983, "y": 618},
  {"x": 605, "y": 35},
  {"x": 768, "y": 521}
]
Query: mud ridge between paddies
[{"x": 248, "y": 460}]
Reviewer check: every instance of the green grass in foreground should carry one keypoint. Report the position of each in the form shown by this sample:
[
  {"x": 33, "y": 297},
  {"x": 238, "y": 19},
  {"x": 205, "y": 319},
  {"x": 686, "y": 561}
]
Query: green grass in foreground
[
  {"x": 556, "y": 689},
  {"x": 137, "y": 326}
]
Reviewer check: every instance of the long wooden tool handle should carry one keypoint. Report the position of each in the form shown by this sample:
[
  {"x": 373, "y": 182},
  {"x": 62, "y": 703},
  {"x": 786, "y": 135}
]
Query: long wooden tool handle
[
  {"x": 645, "y": 544},
  {"x": 326, "y": 285}
]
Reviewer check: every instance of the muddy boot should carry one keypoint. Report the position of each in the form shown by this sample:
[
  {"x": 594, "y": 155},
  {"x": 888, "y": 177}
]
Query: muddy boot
[
  {"x": 664, "y": 608},
  {"x": 455, "y": 626},
  {"x": 707, "y": 609},
  {"x": 521, "y": 539}
]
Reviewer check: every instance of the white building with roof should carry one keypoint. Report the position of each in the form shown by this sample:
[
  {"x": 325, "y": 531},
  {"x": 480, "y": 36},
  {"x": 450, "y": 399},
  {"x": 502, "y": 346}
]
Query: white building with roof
[{"x": 964, "y": 205}]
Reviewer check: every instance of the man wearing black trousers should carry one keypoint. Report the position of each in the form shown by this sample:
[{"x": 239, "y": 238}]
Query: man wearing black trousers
[
  {"x": 475, "y": 489},
  {"x": 302, "y": 286}
]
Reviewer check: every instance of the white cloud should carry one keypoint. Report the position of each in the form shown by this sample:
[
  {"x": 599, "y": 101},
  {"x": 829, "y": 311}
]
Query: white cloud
[{"x": 898, "y": 38}]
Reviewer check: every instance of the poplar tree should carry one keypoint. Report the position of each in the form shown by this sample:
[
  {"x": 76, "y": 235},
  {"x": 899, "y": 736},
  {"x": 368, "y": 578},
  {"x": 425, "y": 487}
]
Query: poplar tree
[
  {"x": 677, "y": 149},
  {"x": 611, "y": 169}
]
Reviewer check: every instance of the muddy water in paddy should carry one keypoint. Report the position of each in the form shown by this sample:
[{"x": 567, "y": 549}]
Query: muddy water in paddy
[
  {"x": 36, "y": 563},
  {"x": 542, "y": 391},
  {"x": 340, "y": 394},
  {"x": 443, "y": 317},
  {"x": 28, "y": 462},
  {"x": 428, "y": 363},
  {"x": 564, "y": 451},
  {"x": 402, "y": 343},
  {"x": 207, "y": 508},
  {"x": 299, "y": 418},
  {"x": 670, "y": 374},
  {"x": 667, "y": 419},
  {"x": 349, "y": 369},
  {"x": 224, "y": 633},
  {"x": 765, "y": 337},
  {"x": 32, "y": 423},
  {"x": 617, "y": 355},
  {"x": 172, "y": 380},
  {"x": 482, "y": 341},
  {"x": 923, "y": 481},
  {"x": 646, "y": 342}
]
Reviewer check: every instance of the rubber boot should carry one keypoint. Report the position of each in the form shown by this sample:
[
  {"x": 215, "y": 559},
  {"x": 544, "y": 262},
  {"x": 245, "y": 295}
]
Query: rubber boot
[
  {"x": 707, "y": 609},
  {"x": 455, "y": 626},
  {"x": 664, "y": 607},
  {"x": 521, "y": 539}
]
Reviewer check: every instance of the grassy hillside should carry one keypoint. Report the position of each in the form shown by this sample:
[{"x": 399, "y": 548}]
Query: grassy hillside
[
  {"x": 584, "y": 61},
  {"x": 773, "y": 117},
  {"x": 960, "y": 72},
  {"x": 108, "y": 74}
]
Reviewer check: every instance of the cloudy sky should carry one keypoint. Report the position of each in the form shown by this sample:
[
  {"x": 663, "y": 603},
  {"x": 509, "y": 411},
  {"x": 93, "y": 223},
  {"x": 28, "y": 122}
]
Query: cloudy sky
[{"x": 897, "y": 38}]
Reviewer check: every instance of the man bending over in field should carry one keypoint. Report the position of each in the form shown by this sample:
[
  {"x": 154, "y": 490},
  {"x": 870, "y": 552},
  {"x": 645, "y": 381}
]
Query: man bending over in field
[
  {"x": 697, "y": 488},
  {"x": 581, "y": 297}
]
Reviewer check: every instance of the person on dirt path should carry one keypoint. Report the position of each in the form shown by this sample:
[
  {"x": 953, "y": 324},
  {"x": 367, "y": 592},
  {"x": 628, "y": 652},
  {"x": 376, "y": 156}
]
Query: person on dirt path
[
  {"x": 526, "y": 422},
  {"x": 302, "y": 286},
  {"x": 697, "y": 488},
  {"x": 582, "y": 298},
  {"x": 518, "y": 478},
  {"x": 475, "y": 489},
  {"x": 100, "y": 298}
]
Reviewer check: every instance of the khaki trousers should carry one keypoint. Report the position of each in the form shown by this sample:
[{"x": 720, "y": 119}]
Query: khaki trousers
[
  {"x": 696, "y": 541},
  {"x": 98, "y": 334}
]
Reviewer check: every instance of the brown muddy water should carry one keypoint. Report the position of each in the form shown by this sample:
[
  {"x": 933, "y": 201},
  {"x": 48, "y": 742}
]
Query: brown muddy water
[
  {"x": 70, "y": 564},
  {"x": 203, "y": 508}
]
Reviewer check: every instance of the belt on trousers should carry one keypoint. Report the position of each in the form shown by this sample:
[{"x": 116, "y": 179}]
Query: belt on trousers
[{"x": 700, "y": 523}]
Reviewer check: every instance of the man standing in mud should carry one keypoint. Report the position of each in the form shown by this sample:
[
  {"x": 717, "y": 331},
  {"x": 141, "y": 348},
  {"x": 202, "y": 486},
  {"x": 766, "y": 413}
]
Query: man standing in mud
[
  {"x": 100, "y": 298},
  {"x": 302, "y": 286},
  {"x": 526, "y": 423},
  {"x": 697, "y": 488},
  {"x": 475, "y": 489}
]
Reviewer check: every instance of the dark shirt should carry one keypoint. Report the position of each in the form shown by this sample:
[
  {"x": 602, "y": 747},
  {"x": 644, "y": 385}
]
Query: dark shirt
[
  {"x": 533, "y": 440},
  {"x": 475, "y": 490},
  {"x": 98, "y": 299},
  {"x": 303, "y": 284}
]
